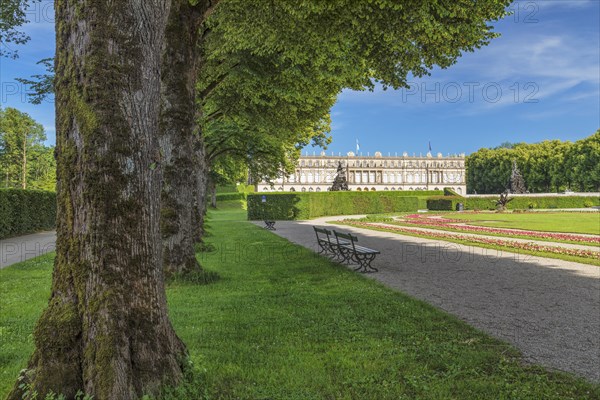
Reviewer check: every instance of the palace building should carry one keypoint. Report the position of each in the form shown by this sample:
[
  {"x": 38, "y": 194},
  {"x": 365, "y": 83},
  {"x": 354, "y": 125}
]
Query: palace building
[{"x": 374, "y": 173}]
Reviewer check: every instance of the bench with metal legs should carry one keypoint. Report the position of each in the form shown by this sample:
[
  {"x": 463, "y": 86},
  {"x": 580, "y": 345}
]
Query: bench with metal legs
[
  {"x": 350, "y": 251},
  {"x": 270, "y": 225},
  {"x": 328, "y": 245}
]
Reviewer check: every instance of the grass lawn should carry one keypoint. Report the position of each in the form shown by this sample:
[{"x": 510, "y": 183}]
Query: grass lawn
[
  {"x": 567, "y": 222},
  {"x": 282, "y": 323}
]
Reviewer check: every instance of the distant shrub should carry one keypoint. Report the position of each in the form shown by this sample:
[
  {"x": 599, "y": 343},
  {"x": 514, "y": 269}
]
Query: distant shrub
[{"x": 26, "y": 211}]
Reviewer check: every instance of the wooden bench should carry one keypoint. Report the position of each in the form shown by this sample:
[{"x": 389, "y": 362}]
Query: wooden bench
[
  {"x": 350, "y": 251},
  {"x": 270, "y": 225},
  {"x": 328, "y": 245}
]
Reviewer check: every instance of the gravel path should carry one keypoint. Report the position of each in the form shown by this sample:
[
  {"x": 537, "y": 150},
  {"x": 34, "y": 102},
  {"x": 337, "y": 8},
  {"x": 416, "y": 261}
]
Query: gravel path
[
  {"x": 548, "y": 308},
  {"x": 17, "y": 249}
]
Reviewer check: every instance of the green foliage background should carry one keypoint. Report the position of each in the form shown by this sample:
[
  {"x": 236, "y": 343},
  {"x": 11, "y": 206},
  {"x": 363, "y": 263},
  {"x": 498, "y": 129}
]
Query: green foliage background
[
  {"x": 26, "y": 211},
  {"x": 548, "y": 166},
  {"x": 19, "y": 130}
]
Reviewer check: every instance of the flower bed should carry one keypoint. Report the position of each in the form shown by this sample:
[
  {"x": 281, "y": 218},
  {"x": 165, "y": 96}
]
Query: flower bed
[
  {"x": 496, "y": 242},
  {"x": 447, "y": 223}
]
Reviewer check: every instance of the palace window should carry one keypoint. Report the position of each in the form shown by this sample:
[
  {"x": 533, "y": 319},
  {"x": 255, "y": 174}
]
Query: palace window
[{"x": 365, "y": 177}]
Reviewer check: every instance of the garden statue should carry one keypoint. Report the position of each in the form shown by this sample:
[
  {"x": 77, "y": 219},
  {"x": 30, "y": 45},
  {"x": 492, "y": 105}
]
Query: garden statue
[
  {"x": 503, "y": 201},
  {"x": 516, "y": 184},
  {"x": 340, "y": 182}
]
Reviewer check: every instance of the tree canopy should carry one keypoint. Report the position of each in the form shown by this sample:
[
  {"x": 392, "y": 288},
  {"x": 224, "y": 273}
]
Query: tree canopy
[
  {"x": 548, "y": 166},
  {"x": 272, "y": 71},
  {"x": 24, "y": 159},
  {"x": 12, "y": 17}
]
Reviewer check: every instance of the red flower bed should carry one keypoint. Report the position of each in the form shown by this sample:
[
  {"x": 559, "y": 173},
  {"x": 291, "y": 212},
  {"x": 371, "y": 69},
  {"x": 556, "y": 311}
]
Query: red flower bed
[
  {"x": 447, "y": 223},
  {"x": 498, "y": 242}
]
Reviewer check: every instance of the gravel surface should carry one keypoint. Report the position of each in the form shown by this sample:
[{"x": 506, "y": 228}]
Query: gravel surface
[
  {"x": 17, "y": 249},
  {"x": 548, "y": 308}
]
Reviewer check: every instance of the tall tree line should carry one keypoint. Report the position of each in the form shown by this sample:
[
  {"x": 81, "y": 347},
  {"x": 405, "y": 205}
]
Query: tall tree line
[
  {"x": 25, "y": 162},
  {"x": 548, "y": 166}
]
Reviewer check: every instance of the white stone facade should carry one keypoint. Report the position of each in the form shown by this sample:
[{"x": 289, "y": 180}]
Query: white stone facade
[{"x": 374, "y": 173}]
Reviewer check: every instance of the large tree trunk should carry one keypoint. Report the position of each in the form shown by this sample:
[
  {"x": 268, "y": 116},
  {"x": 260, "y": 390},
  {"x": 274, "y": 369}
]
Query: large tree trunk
[
  {"x": 106, "y": 329},
  {"x": 212, "y": 188},
  {"x": 179, "y": 134},
  {"x": 200, "y": 190}
]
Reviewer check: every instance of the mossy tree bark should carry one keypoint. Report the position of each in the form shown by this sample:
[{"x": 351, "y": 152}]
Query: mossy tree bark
[
  {"x": 106, "y": 330},
  {"x": 180, "y": 136},
  {"x": 200, "y": 190},
  {"x": 184, "y": 160}
]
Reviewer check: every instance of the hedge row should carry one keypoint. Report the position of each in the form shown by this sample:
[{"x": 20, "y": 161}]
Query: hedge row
[
  {"x": 448, "y": 203},
  {"x": 444, "y": 203},
  {"x": 26, "y": 211},
  {"x": 292, "y": 206},
  {"x": 231, "y": 196},
  {"x": 489, "y": 203}
]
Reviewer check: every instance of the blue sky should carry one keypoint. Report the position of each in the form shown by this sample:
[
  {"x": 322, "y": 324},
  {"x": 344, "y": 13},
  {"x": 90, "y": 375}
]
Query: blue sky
[{"x": 539, "y": 80}]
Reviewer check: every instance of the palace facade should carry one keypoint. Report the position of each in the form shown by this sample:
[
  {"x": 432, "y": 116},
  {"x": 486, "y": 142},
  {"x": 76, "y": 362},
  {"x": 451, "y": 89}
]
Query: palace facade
[{"x": 374, "y": 173}]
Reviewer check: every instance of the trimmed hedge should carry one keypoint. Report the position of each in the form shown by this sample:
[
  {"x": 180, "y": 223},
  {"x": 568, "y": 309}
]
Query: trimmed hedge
[
  {"x": 299, "y": 205},
  {"x": 489, "y": 203},
  {"x": 26, "y": 211},
  {"x": 231, "y": 196},
  {"x": 444, "y": 203},
  {"x": 450, "y": 192}
]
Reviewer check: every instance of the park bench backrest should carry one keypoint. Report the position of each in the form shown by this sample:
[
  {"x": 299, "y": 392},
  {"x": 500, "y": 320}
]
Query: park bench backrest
[
  {"x": 346, "y": 236},
  {"x": 322, "y": 231}
]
